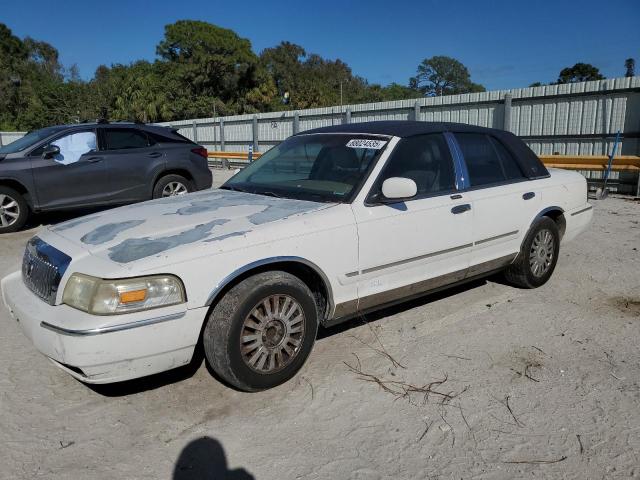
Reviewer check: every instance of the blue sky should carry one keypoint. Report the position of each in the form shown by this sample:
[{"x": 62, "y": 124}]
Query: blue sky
[{"x": 504, "y": 44}]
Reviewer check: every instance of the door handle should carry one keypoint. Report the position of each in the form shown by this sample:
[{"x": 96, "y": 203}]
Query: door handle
[
  {"x": 456, "y": 196},
  {"x": 154, "y": 154},
  {"x": 94, "y": 159},
  {"x": 460, "y": 208},
  {"x": 528, "y": 195}
]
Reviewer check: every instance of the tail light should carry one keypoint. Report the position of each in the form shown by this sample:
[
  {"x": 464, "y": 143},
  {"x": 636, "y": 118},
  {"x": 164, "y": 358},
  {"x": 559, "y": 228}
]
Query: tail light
[{"x": 200, "y": 151}]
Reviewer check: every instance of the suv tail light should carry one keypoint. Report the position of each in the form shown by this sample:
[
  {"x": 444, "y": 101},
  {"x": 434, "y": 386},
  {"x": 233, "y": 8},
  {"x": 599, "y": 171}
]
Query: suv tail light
[{"x": 200, "y": 151}]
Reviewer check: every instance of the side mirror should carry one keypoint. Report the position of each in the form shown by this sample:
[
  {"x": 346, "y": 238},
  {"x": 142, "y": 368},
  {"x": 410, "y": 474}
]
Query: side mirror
[
  {"x": 51, "y": 151},
  {"x": 398, "y": 188}
]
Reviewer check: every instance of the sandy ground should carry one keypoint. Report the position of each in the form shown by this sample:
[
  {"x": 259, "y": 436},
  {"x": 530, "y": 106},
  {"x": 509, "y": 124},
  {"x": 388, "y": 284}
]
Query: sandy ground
[{"x": 536, "y": 384}]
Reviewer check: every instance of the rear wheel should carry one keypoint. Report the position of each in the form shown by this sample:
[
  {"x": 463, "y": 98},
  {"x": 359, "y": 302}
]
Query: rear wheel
[
  {"x": 262, "y": 331},
  {"x": 538, "y": 256},
  {"x": 171, "y": 186},
  {"x": 14, "y": 210}
]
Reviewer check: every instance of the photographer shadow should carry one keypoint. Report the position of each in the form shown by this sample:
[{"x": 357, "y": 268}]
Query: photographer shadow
[{"x": 204, "y": 459}]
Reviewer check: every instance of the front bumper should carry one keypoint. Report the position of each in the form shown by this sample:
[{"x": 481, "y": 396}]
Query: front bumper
[{"x": 105, "y": 349}]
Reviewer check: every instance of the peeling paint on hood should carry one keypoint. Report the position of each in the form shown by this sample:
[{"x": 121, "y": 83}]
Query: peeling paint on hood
[{"x": 142, "y": 230}]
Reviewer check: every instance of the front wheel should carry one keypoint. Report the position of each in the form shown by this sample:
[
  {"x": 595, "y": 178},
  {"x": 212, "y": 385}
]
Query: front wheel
[
  {"x": 14, "y": 210},
  {"x": 538, "y": 256},
  {"x": 171, "y": 186},
  {"x": 262, "y": 331}
]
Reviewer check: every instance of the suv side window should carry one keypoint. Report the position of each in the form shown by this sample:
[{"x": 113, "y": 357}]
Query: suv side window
[
  {"x": 482, "y": 161},
  {"x": 72, "y": 146},
  {"x": 125, "y": 138},
  {"x": 426, "y": 160}
]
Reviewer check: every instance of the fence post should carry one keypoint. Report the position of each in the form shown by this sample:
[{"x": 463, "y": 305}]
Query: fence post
[
  {"x": 255, "y": 133},
  {"x": 1, "y": 139},
  {"x": 296, "y": 123},
  {"x": 222, "y": 135},
  {"x": 347, "y": 115},
  {"x": 416, "y": 111},
  {"x": 195, "y": 132},
  {"x": 507, "y": 112}
]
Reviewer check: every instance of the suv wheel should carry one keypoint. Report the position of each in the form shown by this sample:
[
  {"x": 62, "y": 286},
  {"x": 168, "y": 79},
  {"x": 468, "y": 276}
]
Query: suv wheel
[
  {"x": 172, "y": 185},
  {"x": 262, "y": 331},
  {"x": 14, "y": 211},
  {"x": 538, "y": 256}
]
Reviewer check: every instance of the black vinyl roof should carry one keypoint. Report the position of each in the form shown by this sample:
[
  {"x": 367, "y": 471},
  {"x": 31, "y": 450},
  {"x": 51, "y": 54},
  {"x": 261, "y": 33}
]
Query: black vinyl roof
[
  {"x": 401, "y": 128},
  {"x": 531, "y": 165}
]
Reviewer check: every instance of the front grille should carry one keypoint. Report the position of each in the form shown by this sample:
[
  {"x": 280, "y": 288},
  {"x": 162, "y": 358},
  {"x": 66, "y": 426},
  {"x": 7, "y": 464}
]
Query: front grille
[{"x": 42, "y": 269}]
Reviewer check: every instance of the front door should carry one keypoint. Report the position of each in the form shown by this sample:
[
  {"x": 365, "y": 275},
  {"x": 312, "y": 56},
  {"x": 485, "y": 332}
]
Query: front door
[
  {"x": 409, "y": 247},
  {"x": 76, "y": 177}
]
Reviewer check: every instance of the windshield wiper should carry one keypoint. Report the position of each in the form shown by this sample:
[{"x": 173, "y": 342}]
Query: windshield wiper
[{"x": 235, "y": 189}]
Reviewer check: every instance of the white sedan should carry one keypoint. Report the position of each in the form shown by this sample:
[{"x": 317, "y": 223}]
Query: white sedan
[{"x": 330, "y": 224}]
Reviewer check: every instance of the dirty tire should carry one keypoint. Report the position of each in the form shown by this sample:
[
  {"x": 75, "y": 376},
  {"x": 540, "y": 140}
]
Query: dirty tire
[
  {"x": 521, "y": 272},
  {"x": 169, "y": 179},
  {"x": 227, "y": 325},
  {"x": 15, "y": 204}
]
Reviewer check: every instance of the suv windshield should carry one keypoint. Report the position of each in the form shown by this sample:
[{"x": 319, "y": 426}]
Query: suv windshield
[
  {"x": 29, "y": 139},
  {"x": 319, "y": 167}
]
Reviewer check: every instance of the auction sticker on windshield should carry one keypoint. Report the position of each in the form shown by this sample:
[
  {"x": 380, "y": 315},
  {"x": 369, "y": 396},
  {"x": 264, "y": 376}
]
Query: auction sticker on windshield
[{"x": 364, "y": 143}]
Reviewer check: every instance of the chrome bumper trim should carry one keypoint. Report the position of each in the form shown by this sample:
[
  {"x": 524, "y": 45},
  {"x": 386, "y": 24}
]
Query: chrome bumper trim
[
  {"x": 583, "y": 210},
  {"x": 112, "y": 328}
]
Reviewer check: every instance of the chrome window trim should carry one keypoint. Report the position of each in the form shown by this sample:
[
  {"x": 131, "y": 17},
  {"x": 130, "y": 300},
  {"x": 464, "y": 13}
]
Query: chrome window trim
[
  {"x": 112, "y": 328},
  {"x": 268, "y": 261}
]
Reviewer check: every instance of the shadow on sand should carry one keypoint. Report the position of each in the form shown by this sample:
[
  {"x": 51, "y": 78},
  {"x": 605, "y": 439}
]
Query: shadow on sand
[{"x": 204, "y": 459}]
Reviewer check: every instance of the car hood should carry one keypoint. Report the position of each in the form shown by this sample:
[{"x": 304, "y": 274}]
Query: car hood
[{"x": 137, "y": 232}]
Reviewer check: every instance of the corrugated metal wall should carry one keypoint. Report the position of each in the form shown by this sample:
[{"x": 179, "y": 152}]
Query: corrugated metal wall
[
  {"x": 576, "y": 118},
  {"x": 573, "y": 119}
]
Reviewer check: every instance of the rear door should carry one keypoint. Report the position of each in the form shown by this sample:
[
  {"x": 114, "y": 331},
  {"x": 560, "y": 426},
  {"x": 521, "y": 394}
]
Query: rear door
[
  {"x": 504, "y": 201},
  {"x": 76, "y": 177},
  {"x": 133, "y": 159},
  {"x": 409, "y": 247}
]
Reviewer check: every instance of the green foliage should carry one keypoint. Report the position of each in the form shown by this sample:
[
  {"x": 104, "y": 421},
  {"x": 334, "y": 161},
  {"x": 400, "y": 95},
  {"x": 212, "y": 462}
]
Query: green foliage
[
  {"x": 580, "y": 72},
  {"x": 201, "y": 68},
  {"x": 442, "y": 75}
]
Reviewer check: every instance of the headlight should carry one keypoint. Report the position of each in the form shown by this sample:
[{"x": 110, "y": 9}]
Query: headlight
[{"x": 107, "y": 297}]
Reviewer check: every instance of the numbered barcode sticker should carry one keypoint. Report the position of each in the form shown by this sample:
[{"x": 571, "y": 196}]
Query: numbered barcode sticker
[{"x": 365, "y": 143}]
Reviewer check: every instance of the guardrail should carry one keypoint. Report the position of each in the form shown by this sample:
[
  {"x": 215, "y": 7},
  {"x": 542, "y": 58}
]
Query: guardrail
[
  {"x": 591, "y": 166},
  {"x": 592, "y": 162},
  {"x": 572, "y": 162}
]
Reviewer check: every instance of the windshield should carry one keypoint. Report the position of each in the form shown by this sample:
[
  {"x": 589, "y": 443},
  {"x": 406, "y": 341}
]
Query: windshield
[
  {"x": 28, "y": 140},
  {"x": 320, "y": 167}
]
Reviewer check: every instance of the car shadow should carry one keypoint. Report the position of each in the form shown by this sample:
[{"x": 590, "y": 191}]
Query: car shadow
[
  {"x": 358, "y": 321},
  {"x": 159, "y": 380},
  {"x": 205, "y": 458}
]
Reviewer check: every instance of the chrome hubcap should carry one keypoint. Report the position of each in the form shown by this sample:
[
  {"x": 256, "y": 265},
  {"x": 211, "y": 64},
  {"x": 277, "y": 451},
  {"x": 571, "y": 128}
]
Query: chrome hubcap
[
  {"x": 174, "y": 188},
  {"x": 272, "y": 334},
  {"x": 9, "y": 210},
  {"x": 541, "y": 254}
]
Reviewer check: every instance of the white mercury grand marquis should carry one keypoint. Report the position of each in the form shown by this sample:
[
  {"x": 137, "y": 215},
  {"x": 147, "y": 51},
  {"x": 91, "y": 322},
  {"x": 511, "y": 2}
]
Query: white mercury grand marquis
[{"x": 331, "y": 223}]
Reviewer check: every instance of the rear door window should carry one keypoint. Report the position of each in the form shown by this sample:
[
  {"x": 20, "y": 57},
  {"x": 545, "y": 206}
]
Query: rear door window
[
  {"x": 125, "y": 139},
  {"x": 482, "y": 160},
  {"x": 509, "y": 164}
]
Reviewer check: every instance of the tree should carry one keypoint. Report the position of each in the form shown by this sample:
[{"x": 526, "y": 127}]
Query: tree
[
  {"x": 441, "y": 75},
  {"x": 630, "y": 66},
  {"x": 580, "y": 72},
  {"x": 209, "y": 60}
]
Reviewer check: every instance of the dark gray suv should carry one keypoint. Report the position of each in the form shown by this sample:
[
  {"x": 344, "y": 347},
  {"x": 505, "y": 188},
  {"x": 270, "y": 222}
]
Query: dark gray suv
[{"x": 95, "y": 164}]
